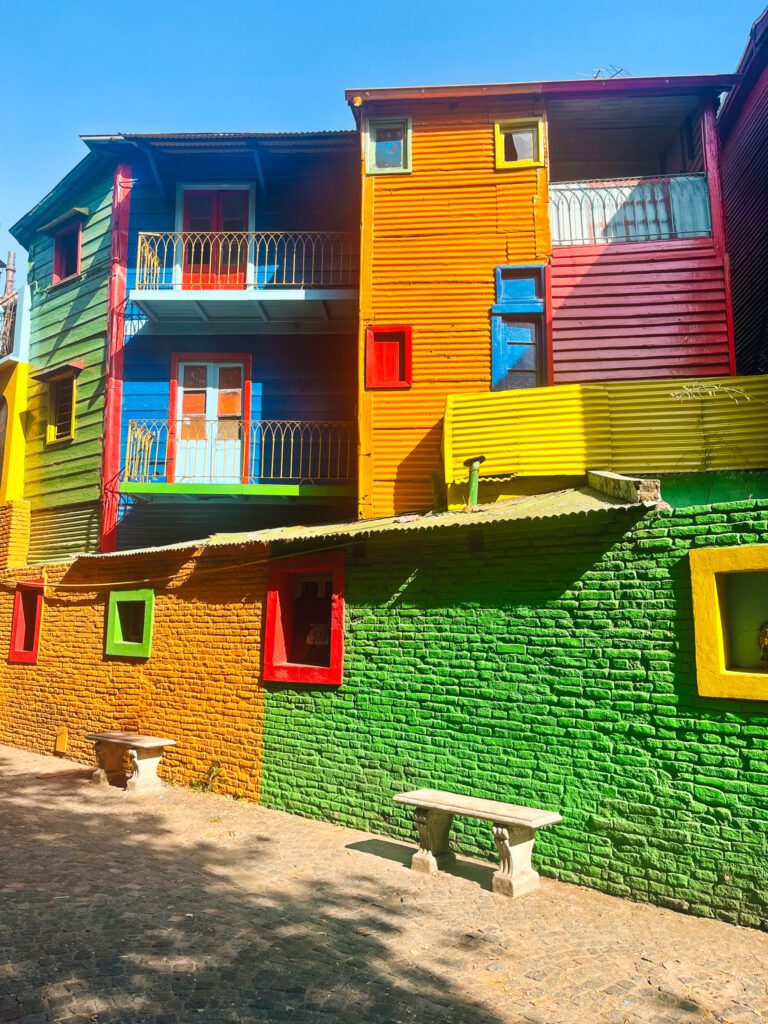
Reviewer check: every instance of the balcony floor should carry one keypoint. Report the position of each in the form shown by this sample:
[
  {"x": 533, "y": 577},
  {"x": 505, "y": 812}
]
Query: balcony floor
[
  {"x": 257, "y": 309},
  {"x": 162, "y": 492}
]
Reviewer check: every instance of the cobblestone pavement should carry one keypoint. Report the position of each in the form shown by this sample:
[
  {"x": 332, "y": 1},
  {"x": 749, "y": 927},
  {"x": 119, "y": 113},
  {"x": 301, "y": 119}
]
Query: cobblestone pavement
[{"x": 185, "y": 908}]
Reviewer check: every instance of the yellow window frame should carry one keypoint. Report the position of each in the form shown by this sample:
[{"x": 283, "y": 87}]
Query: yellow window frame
[
  {"x": 51, "y": 437},
  {"x": 709, "y": 567},
  {"x": 500, "y": 128}
]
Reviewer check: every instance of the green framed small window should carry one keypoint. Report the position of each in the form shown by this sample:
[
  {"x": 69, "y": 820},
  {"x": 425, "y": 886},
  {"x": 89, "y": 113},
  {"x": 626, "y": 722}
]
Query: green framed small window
[
  {"x": 130, "y": 616},
  {"x": 388, "y": 145}
]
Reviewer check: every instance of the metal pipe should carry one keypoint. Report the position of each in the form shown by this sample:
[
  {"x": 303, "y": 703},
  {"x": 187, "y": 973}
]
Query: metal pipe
[
  {"x": 474, "y": 479},
  {"x": 10, "y": 274}
]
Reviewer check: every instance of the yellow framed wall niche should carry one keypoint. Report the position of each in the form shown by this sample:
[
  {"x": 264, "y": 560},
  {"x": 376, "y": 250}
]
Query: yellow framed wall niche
[{"x": 720, "y": 590}]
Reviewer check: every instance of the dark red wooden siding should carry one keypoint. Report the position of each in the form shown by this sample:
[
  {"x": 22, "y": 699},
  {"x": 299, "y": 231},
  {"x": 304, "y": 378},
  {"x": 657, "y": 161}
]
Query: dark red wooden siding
[
  {"x": 744, "y": 163},
  {"x": 631, "y": 311}
]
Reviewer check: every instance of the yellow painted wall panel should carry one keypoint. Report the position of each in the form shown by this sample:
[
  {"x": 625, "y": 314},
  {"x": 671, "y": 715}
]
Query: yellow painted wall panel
[{"x": 665, "y": 426}]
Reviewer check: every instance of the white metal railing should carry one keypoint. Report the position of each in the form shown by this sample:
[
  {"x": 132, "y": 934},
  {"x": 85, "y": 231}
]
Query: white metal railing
[
  {"x": 233, "y": 451},
  {"x": 8, "y": 306},
  {"x": 629, "y": 209},
  {"x": 231, "y": 260}
]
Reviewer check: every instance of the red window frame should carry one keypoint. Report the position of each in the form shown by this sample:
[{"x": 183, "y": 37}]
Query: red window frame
[
  {"x": 277, "y": 668},
  {"x": 173, "y": 405},
  {"x": 375, "y": 375},
  {"x": 75, "y": 227},
  {"x": 18, "y": 654}
]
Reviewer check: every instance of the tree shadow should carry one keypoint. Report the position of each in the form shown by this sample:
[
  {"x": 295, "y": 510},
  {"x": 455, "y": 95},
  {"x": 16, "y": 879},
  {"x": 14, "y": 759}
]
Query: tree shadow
[{"x": 111, "y": 915}]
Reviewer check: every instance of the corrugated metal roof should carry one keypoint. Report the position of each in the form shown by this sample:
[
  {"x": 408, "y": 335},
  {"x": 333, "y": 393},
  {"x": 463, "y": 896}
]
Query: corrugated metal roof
[
  {"x": 671, "y": 83},
  {"x": 581, "y": 501},
  {"x": 552, "y": 505}
]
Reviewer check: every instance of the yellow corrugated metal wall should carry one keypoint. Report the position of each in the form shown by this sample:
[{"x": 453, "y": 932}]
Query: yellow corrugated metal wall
[
  {"x": 431, "y": 241},
  {"x": 628, "y": 427}
]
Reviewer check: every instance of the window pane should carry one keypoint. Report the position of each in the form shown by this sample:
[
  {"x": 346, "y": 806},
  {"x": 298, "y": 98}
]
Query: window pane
[
  {"x": 130, "y": 616},
  {"x": 310, "y": 640},
  {"x": 61, "y": 408},
  {"x": 389, "y": 145},
  {"x": 195, "y": 376},
  {"x": 747, "y": 618},
  {"x": 230, "y": 376},
  {"x": 65, "y": 257},
  {"x": 198, "y": 210},
  {"x": 520, "y": 144},
  {"x": 28, "y": 611},
  {"x": 193, "y": 403},
  {"x": 234, "y": 211}
]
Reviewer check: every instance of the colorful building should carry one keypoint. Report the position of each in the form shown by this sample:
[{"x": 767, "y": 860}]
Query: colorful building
[
  {"x": 194, "y": 314},
  {"x": 526, "y": 235},
  {"x": 412, "y": 456}
]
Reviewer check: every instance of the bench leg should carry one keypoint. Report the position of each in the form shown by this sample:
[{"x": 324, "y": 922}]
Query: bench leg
[
  {"x": 515, "y": 875},
  {"x": 111, "y": 770},
  {"x": 434, "y": 848},
  {"x": 145, "y": 763}
]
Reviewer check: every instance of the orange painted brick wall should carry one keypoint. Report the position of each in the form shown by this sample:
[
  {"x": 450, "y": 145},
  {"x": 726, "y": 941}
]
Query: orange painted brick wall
[
  {"x": 431, "y": 241},
  {"x": 200, "y": 686}
]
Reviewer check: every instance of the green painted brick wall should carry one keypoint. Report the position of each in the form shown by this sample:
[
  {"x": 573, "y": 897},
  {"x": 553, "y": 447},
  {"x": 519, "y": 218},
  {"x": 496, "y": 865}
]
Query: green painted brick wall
[{"x": 553, "y": 668}]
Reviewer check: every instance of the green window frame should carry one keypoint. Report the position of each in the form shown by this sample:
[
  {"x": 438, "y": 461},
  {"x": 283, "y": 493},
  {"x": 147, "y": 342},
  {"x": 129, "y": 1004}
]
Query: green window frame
[
  {"x": 130, "y": 618},
  {"x": 376, "y": 125}
]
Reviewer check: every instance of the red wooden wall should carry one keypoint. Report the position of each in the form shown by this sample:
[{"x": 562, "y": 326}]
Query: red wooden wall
[
  {"x": 630, "y": 311},
  {"x": 745, "y": 197}
]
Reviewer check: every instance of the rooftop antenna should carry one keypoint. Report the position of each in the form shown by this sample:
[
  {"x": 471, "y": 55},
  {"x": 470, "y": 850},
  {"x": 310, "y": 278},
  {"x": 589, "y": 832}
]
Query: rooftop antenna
[{"x": 610, "y": 71}]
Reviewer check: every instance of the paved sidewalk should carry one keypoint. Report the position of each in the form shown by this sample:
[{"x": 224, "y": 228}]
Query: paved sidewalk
[{"x": 185, "y": 908}]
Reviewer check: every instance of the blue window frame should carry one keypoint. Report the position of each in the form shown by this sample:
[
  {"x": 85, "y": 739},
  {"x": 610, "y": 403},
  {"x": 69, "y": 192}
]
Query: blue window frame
[
  {"x": 517, "y": 359},
  {"x": 518, "y": 328}
]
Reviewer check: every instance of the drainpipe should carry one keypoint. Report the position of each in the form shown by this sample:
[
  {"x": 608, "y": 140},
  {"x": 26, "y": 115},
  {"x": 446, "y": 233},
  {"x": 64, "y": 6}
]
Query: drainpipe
[
  {"x": 10, "y": 274},
  {"x": 474, "y": 479}
]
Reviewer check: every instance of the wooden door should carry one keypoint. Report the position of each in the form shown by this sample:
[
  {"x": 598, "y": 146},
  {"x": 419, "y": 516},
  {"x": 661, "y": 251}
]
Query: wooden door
[
  {"x": 215, "y": 240},
  {"x": 210, "y": 427}
]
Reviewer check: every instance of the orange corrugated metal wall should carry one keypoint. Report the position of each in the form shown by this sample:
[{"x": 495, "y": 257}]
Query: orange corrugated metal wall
[{"x": 431, "y": 241}]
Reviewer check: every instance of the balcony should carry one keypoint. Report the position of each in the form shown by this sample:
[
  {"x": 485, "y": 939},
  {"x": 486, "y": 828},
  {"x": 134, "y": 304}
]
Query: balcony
[
  {"x": 232, "y": 458},
  {"x": 14, "y": 326},
  {"x": 7, "y": 323},
  {"x": 630, "y": 210},
  {"x": 277, "y": 279}
]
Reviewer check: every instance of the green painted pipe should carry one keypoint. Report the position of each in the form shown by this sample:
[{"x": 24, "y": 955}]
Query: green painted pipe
[{"x": 474, "y": 482}]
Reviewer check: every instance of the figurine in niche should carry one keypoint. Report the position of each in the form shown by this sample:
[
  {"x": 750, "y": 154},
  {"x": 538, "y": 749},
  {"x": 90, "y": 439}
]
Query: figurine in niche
[{"x": 762, "y": 643}]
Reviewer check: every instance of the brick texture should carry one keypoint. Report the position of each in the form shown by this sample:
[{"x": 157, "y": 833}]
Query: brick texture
[
  {"x": 199, "y": 687},
  {"x": 546, "y": 663},
  {"x": 15, "y": 522},
  {"x": 555, "y": 668}
]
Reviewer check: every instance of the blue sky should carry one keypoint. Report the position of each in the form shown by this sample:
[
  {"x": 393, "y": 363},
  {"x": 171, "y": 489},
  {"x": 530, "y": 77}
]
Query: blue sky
[{"x": 72, "y": 68}]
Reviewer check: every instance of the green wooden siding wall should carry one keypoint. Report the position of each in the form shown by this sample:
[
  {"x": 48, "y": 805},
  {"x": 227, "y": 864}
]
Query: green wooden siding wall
[{"x": 69, "y": 322}]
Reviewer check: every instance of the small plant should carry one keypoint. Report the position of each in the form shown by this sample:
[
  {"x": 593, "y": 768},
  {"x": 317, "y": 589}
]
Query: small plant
[{"x": 206, "y": 783}]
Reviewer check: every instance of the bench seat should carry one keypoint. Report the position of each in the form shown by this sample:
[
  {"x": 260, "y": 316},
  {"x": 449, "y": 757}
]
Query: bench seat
[
  {"x": 514, "y": 829},
  {"x": 144, "y": 754}
]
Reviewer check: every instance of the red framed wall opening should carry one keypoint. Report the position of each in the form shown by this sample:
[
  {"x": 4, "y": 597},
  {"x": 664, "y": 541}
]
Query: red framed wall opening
[
  {"x": 67, "y": 246},
  {"x": 304, "y": 629},
  {"x": 27, "y": 620}
]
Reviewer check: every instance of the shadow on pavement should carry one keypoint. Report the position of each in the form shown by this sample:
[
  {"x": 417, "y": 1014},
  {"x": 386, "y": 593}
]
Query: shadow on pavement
[{"x": 107, "y": 915}]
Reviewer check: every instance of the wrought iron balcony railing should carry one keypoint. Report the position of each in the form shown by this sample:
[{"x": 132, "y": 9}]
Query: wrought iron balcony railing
[
  {"x": 8, "y": 305},
  {"x": 630, "y": 209},
  {"x": 233, "y": 260},
  {"x": 233, "y": 451}
]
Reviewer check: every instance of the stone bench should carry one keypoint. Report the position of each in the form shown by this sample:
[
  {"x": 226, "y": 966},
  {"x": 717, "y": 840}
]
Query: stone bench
[
  {"x": 514, "y": 830},
  {"x": 144, "y": 753}
]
